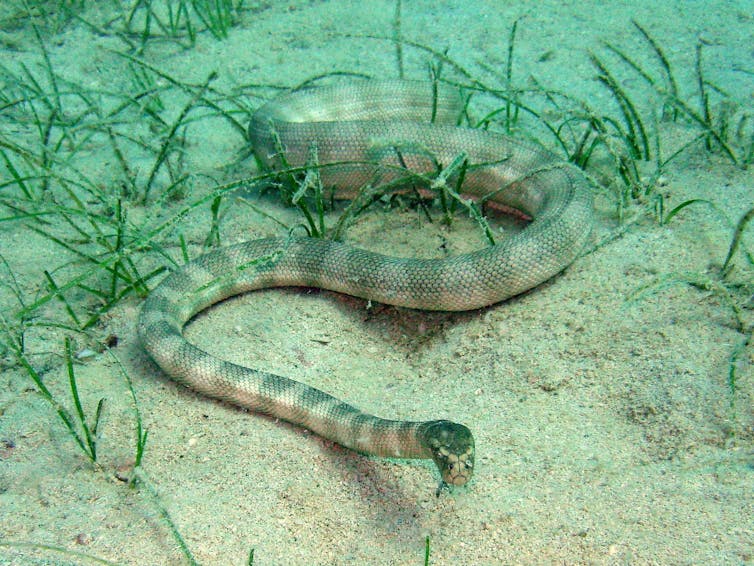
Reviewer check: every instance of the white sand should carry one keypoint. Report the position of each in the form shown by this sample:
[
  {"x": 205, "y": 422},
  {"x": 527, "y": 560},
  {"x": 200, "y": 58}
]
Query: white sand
[{"x": 604, "y": 429}]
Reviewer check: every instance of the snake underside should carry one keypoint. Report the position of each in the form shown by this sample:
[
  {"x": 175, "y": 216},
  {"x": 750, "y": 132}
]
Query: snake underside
[{"x": 366, "y": 133}]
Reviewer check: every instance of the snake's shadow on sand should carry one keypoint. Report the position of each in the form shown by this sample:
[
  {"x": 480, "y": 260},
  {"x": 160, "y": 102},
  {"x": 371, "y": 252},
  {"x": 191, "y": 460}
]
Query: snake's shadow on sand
[
  {"x": 411, "y": 331},
  {"x": 383, "y": 485}
]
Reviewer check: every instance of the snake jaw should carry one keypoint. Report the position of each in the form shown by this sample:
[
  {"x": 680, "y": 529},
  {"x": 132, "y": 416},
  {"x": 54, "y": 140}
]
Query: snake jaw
[{"x": 451, "y": 446}]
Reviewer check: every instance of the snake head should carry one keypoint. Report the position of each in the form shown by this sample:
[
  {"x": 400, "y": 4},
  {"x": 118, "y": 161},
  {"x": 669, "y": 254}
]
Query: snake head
[{"x": 451, "y": 446}]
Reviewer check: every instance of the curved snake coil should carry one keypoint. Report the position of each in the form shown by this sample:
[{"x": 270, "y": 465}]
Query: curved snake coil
[{"x": 381, "y": 129}]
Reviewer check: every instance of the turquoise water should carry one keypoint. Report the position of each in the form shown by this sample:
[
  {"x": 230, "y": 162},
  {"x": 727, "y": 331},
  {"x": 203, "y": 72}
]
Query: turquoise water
[{"x": 612, "y": 406}]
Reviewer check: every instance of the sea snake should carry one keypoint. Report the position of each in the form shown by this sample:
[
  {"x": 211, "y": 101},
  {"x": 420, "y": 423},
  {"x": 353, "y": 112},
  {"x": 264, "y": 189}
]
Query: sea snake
[{"x": 372, "y": 133}]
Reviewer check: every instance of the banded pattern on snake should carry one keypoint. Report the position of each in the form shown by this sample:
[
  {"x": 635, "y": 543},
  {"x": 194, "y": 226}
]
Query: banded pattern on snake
[{"x": 374, "y": 131}]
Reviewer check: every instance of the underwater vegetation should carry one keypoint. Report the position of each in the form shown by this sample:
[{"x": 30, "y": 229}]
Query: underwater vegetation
[{"x": 120, "y": 226}]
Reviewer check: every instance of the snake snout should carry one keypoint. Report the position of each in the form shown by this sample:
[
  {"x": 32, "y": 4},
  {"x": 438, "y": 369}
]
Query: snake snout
[{"x": 458, "y": 469}]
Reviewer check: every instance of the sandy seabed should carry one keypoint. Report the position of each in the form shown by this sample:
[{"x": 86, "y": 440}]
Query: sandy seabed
[{"x": 604, "y": 427}]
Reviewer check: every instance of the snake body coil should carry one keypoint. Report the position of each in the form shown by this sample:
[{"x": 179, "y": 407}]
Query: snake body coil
[{"x": 374, "y": 131}]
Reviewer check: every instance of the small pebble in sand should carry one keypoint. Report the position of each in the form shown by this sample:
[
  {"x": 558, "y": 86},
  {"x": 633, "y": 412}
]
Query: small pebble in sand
[{"x": 86, "y": 354}]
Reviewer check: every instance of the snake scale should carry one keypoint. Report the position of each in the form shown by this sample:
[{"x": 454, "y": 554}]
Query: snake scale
[{"x": 373, "y": 132}]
